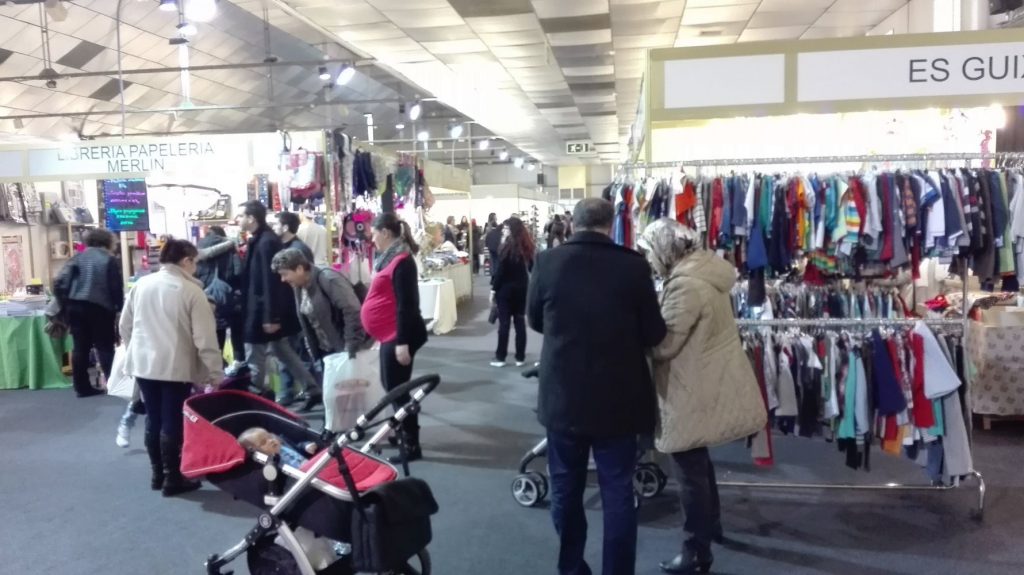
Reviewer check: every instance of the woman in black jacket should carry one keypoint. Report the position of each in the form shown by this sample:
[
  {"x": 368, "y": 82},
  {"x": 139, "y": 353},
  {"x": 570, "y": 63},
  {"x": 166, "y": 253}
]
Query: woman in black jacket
[{"x": 509, "y": 283}]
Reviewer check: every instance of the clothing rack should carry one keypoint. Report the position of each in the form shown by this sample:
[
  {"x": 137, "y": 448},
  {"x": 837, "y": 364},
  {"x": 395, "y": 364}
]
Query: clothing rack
[
  {"x": 873, "y": 158},
  {"x": 825, "y": 323}
]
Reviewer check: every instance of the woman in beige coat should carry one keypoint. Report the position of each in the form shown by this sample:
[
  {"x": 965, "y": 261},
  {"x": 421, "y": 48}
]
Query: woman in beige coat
[{"x": 707, "y": 393}]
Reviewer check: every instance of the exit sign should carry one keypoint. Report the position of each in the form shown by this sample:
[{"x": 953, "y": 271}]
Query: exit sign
[{"x": 579, "y": 147}]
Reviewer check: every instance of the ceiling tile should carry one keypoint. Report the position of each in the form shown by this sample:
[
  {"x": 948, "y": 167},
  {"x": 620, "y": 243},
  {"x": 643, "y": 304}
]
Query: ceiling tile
[
  {"x": 519, "y": 38},
  {"x": 834, "y": 32},
  {"x": 456, "y": 46},
  {"x": 425, "y": 18},
  {"x": 490, "y": 8},
  {"x": 779, "y": 19},
  {"x": 589, "y": 71},
  {"x": 535, "y": 50},
  {"x": 564, "y": 8},
  {"x": 705, "y": 41},
  {"x": 795, "y": 5},
  {"x": 851, "y": 19},
  {"x": 639, "y": 27},
  {"x": 718, "y": 3},
  {"x": 777, "y": 33},
  {"x": 582, "y": 51},
  {"x": 867, "y": 5},
  {"x": 648, "y": 10},
  {"x": 384, "y": 31},
  {"x": 698, "y": 16},
  {"x": 580, "y": 38},
  {"x": 497, "y": 25},
  {"x": 644, "y": 41},
  {"x": 530, "y": 62},
  {"x": 391, "y": 4},
  {"x": 442, "y": 33}
]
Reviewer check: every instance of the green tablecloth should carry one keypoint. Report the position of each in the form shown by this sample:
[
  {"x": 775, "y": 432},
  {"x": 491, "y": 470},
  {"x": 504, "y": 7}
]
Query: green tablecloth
[{"x": 28, "y": 357}]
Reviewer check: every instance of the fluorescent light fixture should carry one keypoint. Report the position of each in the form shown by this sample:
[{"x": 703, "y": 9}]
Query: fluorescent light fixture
[
  {"x": 423, "y": 136},
  {"x": 346, "y": 75},
  {"x": 324, "y": 74},
  {"x": 187, "y": 29},
  {"x": 415, "y": 111},
  {"x": 531, "y": 167},
  {"x": 399, "y": 126},
  {"x": 503, "y": 155},
  {"x": 169, "y": 5},
  {"x": 484, "y": 144},
  {"x": 440, "y": 145},
  {"x": 200, "y": 10},
  {"x": 518, "y": 162},
  {"x": 456, "y": 131}
]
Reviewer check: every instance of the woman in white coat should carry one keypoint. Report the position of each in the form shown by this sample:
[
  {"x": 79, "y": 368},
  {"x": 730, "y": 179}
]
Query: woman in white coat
[
  {"x": 707, "y": 392},
  {"x": 170, "y": 336}
]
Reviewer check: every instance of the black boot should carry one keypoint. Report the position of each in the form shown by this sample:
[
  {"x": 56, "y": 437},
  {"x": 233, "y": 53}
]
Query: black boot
[
  {"x": 175, "y": 483},
  {"x": 689, "y": 562},
  {"x": 156, "y": 463}
]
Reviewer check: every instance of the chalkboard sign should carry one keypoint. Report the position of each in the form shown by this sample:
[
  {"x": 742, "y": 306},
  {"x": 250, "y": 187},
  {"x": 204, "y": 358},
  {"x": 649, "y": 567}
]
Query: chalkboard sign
[{"x": 126, "y": 205}]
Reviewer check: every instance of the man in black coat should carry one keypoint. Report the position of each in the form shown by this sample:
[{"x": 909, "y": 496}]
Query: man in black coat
[
  {"x": 269, "y": 306},
  {"x": 595, "y": 303}
]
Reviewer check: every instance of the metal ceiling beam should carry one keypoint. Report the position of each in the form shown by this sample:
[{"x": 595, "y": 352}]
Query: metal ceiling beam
[
  {"x": 179, "y": 69},
  {"x": 315, "y": 104}
]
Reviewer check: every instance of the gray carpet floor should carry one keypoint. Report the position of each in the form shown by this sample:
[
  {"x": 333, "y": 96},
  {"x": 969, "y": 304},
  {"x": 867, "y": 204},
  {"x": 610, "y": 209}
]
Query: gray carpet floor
[{"x": 72, "y": 503}]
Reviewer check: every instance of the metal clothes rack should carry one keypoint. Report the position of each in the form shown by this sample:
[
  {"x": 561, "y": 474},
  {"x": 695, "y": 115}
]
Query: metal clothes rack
[{"x": 824, "y": 323}]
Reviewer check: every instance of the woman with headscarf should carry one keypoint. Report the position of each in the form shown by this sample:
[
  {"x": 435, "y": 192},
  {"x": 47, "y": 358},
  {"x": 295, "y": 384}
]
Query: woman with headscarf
[
  {"x": 707, "y": 392},
  {"x": 391, "y": 314}
]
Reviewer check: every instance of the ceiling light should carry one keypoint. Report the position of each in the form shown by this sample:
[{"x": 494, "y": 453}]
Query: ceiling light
[
  {"x": 399, "y": 126},
  {"x": 518, "y": 162},
  {"x": 423, "y": 136},
  {"x": 440, "y": 145},
  {"x": 187, "y": 29},
  {"x": 415, "y": 111},
  {"x": 201, "y": 10},
  {"x": 485, "y": 143},
  {"x": 346, "y": 75},
  {"x": 169, "y": 5},
  {"x": 503, "y": 155},
  {"x": 455, "y": 131},
  {"x": 324, "y": 74},
  {"x": 531, "y": 167}
]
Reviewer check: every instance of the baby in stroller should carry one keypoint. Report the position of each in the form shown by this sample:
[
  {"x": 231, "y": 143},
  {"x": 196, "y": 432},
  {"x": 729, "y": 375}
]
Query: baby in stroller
[
  {"x": 337, "y": 495},
  {"x": 259, "y": 439}
]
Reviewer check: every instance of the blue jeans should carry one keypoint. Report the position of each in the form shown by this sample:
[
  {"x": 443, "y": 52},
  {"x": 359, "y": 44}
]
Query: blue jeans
[{"x": 567, "y": 463}]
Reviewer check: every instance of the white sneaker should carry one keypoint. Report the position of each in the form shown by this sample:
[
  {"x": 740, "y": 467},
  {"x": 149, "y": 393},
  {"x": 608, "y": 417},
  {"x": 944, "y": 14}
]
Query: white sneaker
[
  {"x": 497, "y": 363},
  {"x": 124, "y": 436},
  {"x": 520, "y": 363}
]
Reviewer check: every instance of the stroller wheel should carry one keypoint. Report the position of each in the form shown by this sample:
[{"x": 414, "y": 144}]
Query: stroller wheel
[
  {"x": 529, "y": 489},
  {"x": 662, "y": 478},
  {"x": 646, "y": 480},
  {"x": 268, "y": 558},
  {"x": 542, "y": 480}
]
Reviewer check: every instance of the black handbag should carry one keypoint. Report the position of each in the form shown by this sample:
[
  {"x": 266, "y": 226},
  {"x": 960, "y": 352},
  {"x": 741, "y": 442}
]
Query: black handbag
[
  {"x": 391, "y": 524},
  {"x": 492, "y": 317}
]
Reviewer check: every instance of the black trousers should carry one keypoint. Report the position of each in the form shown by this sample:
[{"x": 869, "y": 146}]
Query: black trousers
[
  {"x": 164, "y": 403},
  {"x": 91, "y": 326},
  {"x": 393, "y": 374},
  {"x": 698, "y": 495},
  {"x": 511, "y": 310}
]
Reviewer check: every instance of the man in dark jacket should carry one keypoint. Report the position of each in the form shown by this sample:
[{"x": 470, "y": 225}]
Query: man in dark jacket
[
  {"x": 595, "y": 303},
  {"x": 287, "y": 229},
  {"x": 92, "y": 289},
  {"x": 492, "y": 239},
  {"x": 269, "y": 306}
]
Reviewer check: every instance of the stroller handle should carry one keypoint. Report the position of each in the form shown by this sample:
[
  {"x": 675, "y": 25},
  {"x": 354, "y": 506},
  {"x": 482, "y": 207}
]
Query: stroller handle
[{"x": 429, "y": 381}]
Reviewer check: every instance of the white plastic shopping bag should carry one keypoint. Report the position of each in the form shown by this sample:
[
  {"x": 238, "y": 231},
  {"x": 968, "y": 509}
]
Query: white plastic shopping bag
[
  {"x": 351, "y": 387},
  {"x": 120, "y": 384}
]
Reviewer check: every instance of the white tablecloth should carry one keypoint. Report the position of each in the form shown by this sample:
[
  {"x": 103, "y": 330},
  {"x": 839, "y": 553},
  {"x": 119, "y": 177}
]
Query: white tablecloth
[
  {"x": 438, "y": 305},
  {"x": 461, "y": 275}
]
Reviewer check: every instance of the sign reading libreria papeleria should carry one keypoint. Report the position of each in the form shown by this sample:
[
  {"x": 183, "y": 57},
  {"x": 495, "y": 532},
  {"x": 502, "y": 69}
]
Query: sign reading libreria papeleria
[
  {"x": 126, "y": 204},
  {"x": 125, "y": 157}
]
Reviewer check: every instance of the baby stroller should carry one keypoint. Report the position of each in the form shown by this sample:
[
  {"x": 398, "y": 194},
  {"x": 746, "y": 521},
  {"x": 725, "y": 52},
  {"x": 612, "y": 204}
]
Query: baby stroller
[
  {"x": 529, "y": 488},
  {"x": 344, "y": 511}
]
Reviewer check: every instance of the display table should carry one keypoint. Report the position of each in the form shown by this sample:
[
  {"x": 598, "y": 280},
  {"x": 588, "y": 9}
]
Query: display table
[
  {"x": 997, "y": 357},
  {"x": 28, "y": 357},
  {"x": 438, "y": 305},
  {"x": 461, "y": 276}
]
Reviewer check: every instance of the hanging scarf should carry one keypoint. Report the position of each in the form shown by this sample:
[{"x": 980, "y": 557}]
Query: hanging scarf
[{"x": 385, "y": 257}]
